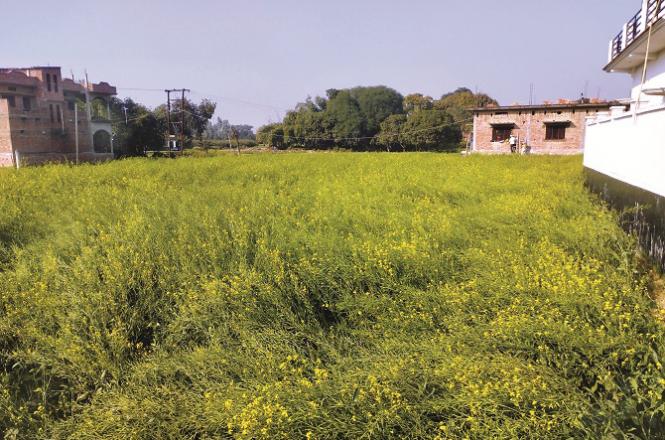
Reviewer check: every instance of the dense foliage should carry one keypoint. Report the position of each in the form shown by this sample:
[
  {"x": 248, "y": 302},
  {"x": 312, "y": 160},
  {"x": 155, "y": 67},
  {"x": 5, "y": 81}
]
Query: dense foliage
[
  {"x": 459, "y": 105},
  {"x": 377, "y": 118},
  {"x": 322, "y": 296},
  {"x": 137, "y": 128}
]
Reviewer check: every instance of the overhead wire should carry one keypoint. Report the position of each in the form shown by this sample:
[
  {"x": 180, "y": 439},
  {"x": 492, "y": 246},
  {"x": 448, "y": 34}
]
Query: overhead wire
[
  {"x": 241, "y": 101},
  {"x": 140, "y": 89}
]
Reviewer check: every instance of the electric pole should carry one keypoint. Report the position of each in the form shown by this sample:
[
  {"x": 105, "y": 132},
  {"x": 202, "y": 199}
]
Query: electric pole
[
  {"x": 168, "y": 120},
  {"x": 182, "y": 117}
]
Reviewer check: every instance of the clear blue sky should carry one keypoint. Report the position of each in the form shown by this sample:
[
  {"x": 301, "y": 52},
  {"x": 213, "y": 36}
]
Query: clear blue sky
[{"x": 277, "y": 52}]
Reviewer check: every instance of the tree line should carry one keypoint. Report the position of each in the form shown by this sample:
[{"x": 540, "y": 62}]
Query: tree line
[
  {"x": 361, "y": 119},
  {"x": 377, "y": 118}
]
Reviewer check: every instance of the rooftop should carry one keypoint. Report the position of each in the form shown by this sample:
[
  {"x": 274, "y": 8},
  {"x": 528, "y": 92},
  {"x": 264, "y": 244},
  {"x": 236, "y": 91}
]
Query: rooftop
[
  {"x": 16, "y": 77},
  {"x": 572, "y": 105},
  {"x": 20, "y": 76}
]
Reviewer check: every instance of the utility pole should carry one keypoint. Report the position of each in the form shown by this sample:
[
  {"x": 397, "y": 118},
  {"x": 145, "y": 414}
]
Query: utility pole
[
  {"x": 88, "y": 107},
  {"x": 182, "y": 116},
  {"x": 76, "y": 129},
  {"x": 182, "y": 120},
  {"x": 168, "y": 120}
]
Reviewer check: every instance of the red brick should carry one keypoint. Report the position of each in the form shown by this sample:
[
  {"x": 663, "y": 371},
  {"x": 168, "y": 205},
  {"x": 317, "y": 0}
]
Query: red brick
[
  {"x": 536, "y": 118},
  {"x": 36, "y": 135}
]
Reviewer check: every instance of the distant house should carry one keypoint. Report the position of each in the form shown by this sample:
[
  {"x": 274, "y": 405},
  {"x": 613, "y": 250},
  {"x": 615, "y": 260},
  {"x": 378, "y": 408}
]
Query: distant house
[
  {"x": 37, "y": 117},
  {"x": 541, "y": 129}
]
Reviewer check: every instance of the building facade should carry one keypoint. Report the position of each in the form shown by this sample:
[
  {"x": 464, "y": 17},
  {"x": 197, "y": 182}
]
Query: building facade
[
  {"x": 625, "y": 148},
  {"x": 539, "y": 129},
  {"x": 47, "y": 118}
]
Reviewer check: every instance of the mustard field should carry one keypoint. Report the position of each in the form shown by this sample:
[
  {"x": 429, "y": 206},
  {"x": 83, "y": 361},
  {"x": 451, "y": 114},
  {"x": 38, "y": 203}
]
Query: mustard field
[{"x": 322, "y": 296}]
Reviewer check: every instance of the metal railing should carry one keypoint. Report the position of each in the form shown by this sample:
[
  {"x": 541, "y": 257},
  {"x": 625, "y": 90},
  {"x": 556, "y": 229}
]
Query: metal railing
[
  {"x": 617, "y": 45},
  {"x": 652, "y": 14},
  {"x": 636, "y": 26}
]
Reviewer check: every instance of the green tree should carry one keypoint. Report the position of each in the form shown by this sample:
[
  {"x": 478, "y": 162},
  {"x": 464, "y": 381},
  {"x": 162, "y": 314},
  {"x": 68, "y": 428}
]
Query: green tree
[
  {"x": 389, "y": 137},
  {"x": 271, "y": 135},
  {"x": 376, "y": 104},
  {"x": 460, "y": 104},
  {"x": 345, "y": 120},
  {"x": 365, "y": 117},
  {"x": 321, "y": 103},
  {"x": 135, "y": 128},
  {"x": 196, "y": 117},
  {"x": 417, "y": 101},
  {"x": 431, "y": 130},
  {"x": 305, "y": 128}
]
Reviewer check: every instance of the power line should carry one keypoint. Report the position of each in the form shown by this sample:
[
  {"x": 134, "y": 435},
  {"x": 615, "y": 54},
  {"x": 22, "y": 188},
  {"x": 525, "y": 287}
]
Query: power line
[
  {"x": 139, "y": 89},
  {"x": 211, "y": 95},
  {"x": 241, "y": 101}
]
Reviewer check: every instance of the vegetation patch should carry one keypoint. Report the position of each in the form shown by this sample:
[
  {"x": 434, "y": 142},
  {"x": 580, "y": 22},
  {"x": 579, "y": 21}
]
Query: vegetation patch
[{"x": 322, "y": 296}]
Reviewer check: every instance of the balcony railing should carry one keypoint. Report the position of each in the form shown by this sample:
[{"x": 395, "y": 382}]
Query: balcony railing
[
  {"x": 651, "y": 10},
  {"x": 633, "y": 28},
  {"x": 636, "y": 26},
  {"x": 617, "y": 45}
]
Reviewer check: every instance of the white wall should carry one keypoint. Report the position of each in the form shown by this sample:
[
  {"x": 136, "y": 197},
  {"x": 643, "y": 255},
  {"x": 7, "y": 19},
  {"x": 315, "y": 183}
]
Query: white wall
[
  {"x": 655, "y": 78},
  {"x": 630, "y": 149}
]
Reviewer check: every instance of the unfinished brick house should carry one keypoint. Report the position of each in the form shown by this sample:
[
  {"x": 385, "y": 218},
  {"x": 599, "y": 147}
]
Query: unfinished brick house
[
  {"x": 540, "y": 129},
  {"x": 41, "y": 114}
]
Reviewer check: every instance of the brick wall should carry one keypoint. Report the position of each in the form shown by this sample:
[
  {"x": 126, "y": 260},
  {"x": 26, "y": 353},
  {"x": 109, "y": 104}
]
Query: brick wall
[
  {"x": 530, "y": 123},
  {"x": 6, "y": 160},
  {"x": 45, "y": 129},
  {"x": 5, "y": 138},
  {"x": 35, "y": 132}
]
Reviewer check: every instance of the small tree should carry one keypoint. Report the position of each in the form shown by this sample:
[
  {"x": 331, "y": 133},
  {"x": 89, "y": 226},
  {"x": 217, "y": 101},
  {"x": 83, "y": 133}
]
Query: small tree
[
  {"x": 271, "y": 135},
  {"x": 389, "y": 136},
  {"x": 460, "y": 105},
  {"x": 416, "y": 102},
  {"x": 431, "y": 130}
]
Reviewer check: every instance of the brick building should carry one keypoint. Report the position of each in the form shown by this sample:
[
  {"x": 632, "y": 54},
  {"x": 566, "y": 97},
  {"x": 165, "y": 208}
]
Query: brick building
[
  {"x": 38, "y": 112},
  {"x": 541, "y": 129}
]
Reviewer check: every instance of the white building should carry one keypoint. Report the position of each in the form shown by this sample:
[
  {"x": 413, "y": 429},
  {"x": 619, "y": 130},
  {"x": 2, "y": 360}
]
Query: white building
[{"x": 625, "y": 147}]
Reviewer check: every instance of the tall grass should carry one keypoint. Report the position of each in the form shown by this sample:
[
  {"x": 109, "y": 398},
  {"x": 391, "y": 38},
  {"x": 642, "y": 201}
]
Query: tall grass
[{"x": 322, "y": 297}]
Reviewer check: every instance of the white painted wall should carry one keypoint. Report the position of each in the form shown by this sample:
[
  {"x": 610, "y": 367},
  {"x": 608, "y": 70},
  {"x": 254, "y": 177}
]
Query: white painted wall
[
  {"x": 629, "y": 148},
  {"x": 655, "y": 78}
]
